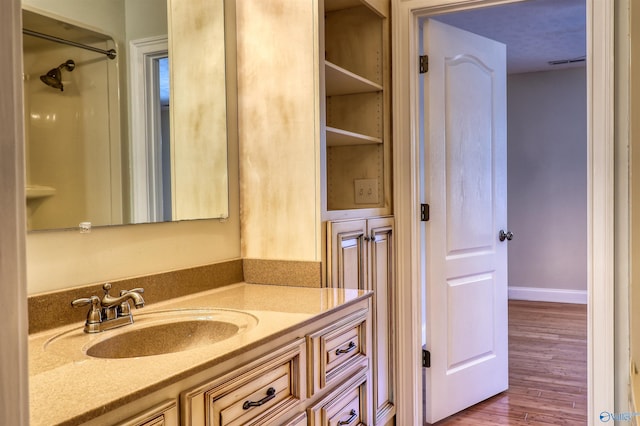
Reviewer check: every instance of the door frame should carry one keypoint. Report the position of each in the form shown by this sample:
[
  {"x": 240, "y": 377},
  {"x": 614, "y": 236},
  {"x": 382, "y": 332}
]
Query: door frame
[
  {"x": 146, "y": 161},
  {"x": 600, "y": 204},
  {"x": 14, "y": 373}
]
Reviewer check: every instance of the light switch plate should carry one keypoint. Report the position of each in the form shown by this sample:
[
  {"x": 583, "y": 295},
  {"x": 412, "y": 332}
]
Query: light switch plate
[{"x": 366, "y": 191}]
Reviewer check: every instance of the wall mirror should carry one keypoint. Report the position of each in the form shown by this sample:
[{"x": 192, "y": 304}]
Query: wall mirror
[{"x": 137, "y": 136}]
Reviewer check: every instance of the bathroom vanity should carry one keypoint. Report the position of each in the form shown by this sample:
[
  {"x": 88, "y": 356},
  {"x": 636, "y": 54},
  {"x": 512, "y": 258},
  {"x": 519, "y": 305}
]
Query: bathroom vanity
[{"x": 286, "y": 356}]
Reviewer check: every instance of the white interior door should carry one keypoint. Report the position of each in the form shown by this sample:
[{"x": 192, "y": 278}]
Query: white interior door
[{"x": 465, "y": 186}]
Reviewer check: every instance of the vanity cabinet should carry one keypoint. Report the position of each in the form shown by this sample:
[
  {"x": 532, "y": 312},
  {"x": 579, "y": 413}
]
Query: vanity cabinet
[
  {"x": 354, "y": 48},
  {"x": 360, "y": 255},
  {"x": 311, "y": 380},
  {"x": 302, "y": 345}
]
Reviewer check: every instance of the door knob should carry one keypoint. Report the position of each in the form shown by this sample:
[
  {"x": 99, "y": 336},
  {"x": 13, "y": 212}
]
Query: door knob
[{"x": 505, "y": 235}]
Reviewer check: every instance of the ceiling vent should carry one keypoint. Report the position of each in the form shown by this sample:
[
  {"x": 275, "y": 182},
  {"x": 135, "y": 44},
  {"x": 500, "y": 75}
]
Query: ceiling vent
[{"x": 568, "y": 61}]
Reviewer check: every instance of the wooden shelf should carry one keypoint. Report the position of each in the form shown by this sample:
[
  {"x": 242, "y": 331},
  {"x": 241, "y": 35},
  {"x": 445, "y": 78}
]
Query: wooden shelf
[
  {"x": 381, "y": 7},
  {"x": 331, "y": 5},
  {"x": 340, "y": 81},
  {"x": 339, "y": 137},
  {"x": 39, "y": 191}
]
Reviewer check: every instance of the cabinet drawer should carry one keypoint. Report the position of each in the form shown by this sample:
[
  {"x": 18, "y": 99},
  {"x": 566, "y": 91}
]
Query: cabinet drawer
[
  {"x": 341, "y": 347},
  {"x": 336, "y": 350},
  {"x": 346, "y": 406},
  {"x": 165, "y": 414},
  {"x": 299, "y": 420},
  {"x": 251, "y": 399},
  {"x": 259, "y": 393}
]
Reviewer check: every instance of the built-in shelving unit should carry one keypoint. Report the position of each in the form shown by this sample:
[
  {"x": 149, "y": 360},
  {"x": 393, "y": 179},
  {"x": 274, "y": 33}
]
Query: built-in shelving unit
[{"x": 356, "y": 130}]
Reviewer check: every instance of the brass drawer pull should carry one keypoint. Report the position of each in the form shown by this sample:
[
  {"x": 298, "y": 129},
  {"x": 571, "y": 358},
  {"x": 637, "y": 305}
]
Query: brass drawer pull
[
  {"x": 349, "y": 348},
  {"x": 354, "y": 415},
  {"x": 271, "y": 393}
]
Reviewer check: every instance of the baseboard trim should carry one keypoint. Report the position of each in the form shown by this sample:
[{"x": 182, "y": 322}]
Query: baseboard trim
[{"x": 548, "y": 295}]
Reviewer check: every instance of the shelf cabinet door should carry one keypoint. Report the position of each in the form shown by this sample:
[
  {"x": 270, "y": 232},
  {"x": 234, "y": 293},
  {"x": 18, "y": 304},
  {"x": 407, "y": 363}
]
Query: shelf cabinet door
[
  {"x": 347, "y": 254},
  {"x": 381, "y": 281},
  {"x": 361, "y": 256}
]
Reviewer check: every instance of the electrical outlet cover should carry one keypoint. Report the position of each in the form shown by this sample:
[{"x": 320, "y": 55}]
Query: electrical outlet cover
[{"x": 366, "y": 191}]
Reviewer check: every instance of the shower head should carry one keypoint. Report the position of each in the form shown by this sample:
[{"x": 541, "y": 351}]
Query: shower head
[{"x": 54, "y": 77}]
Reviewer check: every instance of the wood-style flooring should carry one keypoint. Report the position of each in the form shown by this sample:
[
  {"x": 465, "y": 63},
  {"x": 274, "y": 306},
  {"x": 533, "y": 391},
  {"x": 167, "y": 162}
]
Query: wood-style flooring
[{"x": 547, "y": 370}]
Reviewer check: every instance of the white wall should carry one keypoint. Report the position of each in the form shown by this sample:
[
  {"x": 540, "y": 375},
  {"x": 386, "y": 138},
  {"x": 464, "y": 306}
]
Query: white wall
[{"x": 547, "y": 172}]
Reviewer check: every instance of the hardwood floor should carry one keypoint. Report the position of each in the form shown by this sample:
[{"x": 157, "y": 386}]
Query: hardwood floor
[{"x": 547, "y": 370}]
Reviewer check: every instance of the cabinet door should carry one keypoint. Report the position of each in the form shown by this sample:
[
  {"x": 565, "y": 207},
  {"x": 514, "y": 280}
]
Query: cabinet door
[
  {"x": 381, "y": 281},
  {"x": 347, "y": 254},
  {"x": 361, "y": 254}
]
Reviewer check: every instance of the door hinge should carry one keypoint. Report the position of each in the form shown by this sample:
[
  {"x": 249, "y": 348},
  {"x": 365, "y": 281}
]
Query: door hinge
[
  {"x": 424, "y": 64},
  {"x": 424, "y": 212},
  {"x": 426, "y": 358}
]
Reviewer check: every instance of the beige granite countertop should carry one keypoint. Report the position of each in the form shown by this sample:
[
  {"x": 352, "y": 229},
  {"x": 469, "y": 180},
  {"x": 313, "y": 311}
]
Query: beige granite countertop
[{"x": 67, "y": 386}]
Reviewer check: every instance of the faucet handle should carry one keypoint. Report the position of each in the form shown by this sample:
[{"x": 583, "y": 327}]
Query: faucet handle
[
  {"x": 139, "y": 290},
  {"x": 84, "y": 301},
  {"x": 94, "y": 316},
  {"x": 106, "y": 287}
]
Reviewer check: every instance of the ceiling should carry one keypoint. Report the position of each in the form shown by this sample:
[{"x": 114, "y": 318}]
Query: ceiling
[{"x": 535, "y": 31}]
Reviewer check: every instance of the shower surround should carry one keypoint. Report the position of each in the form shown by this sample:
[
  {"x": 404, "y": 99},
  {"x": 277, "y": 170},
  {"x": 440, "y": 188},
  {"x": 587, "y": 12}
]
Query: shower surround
[{"x": 72, "y": 136}]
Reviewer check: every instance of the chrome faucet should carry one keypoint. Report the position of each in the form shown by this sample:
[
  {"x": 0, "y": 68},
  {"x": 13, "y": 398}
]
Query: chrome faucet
[{"x": 110, "y": 312}]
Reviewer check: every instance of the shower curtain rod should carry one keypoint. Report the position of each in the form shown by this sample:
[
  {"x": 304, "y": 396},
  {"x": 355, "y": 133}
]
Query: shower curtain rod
[{"x": 111, "y": 53}]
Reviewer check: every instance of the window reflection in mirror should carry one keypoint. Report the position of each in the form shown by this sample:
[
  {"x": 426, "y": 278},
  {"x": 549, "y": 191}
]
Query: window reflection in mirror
[{"x": 165, "y": 123}]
